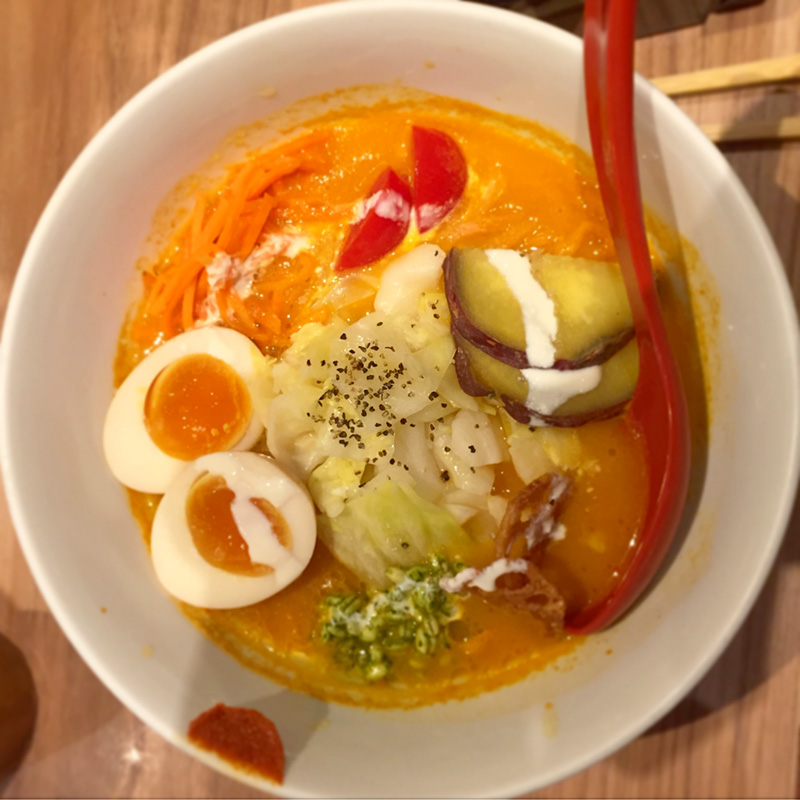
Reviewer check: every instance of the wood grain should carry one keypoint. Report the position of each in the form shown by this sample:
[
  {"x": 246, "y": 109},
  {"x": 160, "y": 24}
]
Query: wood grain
[
  {"x": 65, "y": 67},
  {"x": 735, "y": 76},
  {"x": 762, "y": 130}
]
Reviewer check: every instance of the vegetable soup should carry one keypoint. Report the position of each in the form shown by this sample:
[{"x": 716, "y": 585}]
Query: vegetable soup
[{"x": 371, "y": 405}]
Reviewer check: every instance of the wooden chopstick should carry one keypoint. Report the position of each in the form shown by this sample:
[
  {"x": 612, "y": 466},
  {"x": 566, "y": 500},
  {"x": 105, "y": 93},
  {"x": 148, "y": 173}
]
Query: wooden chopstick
[
  {"x": 753, "y": 73},
  {"x": 754, "y": 130}
]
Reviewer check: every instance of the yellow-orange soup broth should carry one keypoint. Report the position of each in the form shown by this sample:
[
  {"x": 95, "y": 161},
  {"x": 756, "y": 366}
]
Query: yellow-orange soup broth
[{"x": 527, "y": 189}]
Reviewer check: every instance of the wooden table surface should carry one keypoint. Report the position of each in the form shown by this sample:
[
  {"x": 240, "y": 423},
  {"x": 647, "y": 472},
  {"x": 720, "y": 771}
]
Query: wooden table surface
[{"x": 65, "y": 67}]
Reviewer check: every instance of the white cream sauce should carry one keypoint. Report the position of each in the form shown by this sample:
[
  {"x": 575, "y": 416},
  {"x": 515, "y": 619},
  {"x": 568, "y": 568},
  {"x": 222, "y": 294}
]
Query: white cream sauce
[
  {"x": 485, "y": 579},
  {"x": 254, "y": 527},
  {"x": 547, "y": 388},
  {"x": 538, "y": 310},
  {"x": 550, "y": 388}
]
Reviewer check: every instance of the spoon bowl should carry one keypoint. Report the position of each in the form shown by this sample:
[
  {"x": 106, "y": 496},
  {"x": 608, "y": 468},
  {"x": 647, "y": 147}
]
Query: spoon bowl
[{"x": 658, "y": 407}]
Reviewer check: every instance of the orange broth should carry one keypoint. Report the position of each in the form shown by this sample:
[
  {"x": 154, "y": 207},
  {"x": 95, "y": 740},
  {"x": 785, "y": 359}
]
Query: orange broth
[{"x": 527, "y": 189}]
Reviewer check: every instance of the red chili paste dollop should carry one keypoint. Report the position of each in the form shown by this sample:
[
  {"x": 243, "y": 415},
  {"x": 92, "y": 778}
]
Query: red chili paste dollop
[{"x": 242, "y": 736}]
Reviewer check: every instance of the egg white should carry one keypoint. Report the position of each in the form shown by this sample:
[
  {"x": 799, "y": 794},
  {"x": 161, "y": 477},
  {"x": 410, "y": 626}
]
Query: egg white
[
  {"x": 185, "y": 574},
  {"x": 133, "y": 457}
]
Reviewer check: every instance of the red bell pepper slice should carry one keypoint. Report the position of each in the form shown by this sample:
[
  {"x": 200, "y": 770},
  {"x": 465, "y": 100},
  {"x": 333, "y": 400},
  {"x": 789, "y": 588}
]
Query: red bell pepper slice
[
  {"x": 440, "y": 176},
  {"x": 384, "y": 224}
]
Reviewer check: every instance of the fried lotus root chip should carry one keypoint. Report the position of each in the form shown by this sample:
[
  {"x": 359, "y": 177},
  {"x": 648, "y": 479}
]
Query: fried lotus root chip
[{"x": 533, "y": 516}]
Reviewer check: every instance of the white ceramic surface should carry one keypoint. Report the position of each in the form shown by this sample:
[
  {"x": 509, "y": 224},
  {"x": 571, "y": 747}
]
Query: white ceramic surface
[{"x": 72, "y": 518}]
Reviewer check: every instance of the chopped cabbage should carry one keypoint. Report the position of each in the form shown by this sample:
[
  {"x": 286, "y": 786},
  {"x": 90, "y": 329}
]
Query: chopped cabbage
[
  {"x": 407, "y": 277},
  {"x": 497, "y": 506},
  {"x": 436, "y": 356},
  {"x": 430, "y": 321},
  {"x": 476, "y": 440},
  {"x": 391, "y": 526},
  {"x": 264, "y": 388},
  {"x": 305, "y": 361},
  {"x": 335, "y": 481},
  {"x": 457, "y": 470},
  {"x": 528, "y": 455},
  {"x": 462, "y": 514},
  {"x": 452, "y": 393},
  {"x": 414, "y": 459},
  {"x": 372, "y": 416},
  {"x": 291, "y": 434},
  {"x": 376, "y": 370},
  {"x": 351, "y": 288}
]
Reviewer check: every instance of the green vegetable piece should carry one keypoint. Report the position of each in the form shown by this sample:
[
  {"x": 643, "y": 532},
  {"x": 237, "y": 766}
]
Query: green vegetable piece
[
  {"x": 413, "y": 614},
  {"x": 335, "y": 481},
  {"x": 391, "y": 526}
]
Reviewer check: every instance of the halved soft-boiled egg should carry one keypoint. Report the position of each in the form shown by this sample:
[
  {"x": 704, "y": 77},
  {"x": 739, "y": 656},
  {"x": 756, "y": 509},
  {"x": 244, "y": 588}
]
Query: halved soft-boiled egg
[
  {"x": 191, "y": 396},
  {"x": 232, "y": 530}
]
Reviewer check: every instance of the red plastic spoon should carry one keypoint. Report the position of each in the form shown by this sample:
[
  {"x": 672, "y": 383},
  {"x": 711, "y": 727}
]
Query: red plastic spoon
[{"x": 659, "y": 404}]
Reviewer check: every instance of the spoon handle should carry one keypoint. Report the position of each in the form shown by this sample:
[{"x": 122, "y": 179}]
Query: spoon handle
[
  {"x": 658, "y": 409},
  {"x": 614, "y": 143}
]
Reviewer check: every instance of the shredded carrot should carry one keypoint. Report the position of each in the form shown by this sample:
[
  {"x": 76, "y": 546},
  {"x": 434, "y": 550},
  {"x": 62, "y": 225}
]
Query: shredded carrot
[
  {"x": 187, "y": 306},
  {"x": 306, "y": 271},
  {"x": 238, "y": 197},
  {"x": 255, "y": 225},
  {"x": 213, "y": 228},
  {"x": 170, "y": 325},
  {"x": 271, "y": 321},
  {"x": 278, "y": 304},
  {"x": 268, "y": 177},
  {"x": 231, "y": 219},
  {"x": 202, "y": 286},
  {"x": 197, "y": 218},
  {"x": 222, "y": 304},
  {"x": 239, "y": 308},
  {"x": 179, "y": 277}
]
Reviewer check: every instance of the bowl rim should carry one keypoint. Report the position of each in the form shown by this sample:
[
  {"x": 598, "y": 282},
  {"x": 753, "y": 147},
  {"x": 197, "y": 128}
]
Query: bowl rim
[{"x": 316, "y": 15}]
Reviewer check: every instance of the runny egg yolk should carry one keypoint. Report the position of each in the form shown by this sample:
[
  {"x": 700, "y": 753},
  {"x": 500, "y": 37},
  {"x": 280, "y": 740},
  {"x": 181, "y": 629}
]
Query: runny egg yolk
[
  {"x": 215, "y": 532},
  {"x": 196, "y": 405}
]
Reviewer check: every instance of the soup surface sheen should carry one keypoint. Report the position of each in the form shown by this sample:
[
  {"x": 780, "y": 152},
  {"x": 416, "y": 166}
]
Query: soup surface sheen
[{"x": 527, "y": 189}]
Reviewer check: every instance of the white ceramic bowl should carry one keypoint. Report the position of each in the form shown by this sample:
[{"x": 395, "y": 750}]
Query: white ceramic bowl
[{"x": 72, "y": 518}]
